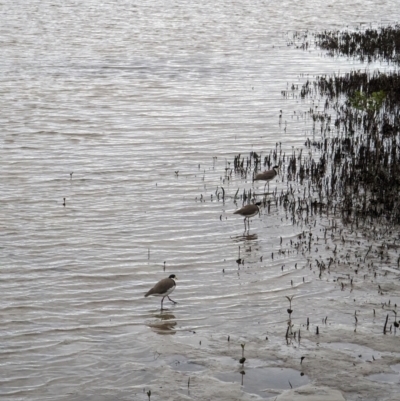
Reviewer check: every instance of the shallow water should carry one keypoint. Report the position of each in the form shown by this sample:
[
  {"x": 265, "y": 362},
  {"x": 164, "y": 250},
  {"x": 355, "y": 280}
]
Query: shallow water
[
  {"x": 132, "y": 112},
  {"x": 264, "y": 381}
]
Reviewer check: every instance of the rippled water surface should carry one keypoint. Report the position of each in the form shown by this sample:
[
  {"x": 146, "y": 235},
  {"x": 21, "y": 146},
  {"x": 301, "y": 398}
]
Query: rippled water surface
[{"x": 130, "y": 112}]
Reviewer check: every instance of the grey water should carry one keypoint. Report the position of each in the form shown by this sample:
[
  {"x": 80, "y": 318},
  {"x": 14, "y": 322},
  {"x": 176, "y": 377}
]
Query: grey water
[{"x": 129, "y": 113}]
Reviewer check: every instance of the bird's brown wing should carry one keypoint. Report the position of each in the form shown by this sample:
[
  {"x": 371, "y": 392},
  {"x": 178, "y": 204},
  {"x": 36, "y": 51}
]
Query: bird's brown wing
[
  {"x": 247, "y": 210},
  {"x": 161, "y": 287},
  {"x": 264, "y": 176}
]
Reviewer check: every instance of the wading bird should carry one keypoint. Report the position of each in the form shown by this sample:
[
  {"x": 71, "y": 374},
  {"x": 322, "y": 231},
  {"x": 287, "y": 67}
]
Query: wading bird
[
  {"x": 248, "y": 211},
  {"x": 267, "y": 175},
  {"x": 163, "y": 288}
]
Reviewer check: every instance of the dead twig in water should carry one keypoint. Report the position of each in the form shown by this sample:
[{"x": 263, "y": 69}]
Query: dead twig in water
[
  {"x": 384, "y": 327},
  {"x": 367, "y": 253}
]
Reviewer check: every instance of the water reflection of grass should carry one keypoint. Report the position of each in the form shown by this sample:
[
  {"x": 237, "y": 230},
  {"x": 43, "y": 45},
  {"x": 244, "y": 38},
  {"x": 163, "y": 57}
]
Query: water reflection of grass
[
  {"x": 358, "y": 169},
  {"x": 346, "y": 180}
]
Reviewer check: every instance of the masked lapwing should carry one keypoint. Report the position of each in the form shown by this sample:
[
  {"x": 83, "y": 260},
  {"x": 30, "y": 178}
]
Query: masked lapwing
[
  {"x": 163, "y": 288},
  {"x": 267, "y": 175},
  {"x": 248, "y": 211}
]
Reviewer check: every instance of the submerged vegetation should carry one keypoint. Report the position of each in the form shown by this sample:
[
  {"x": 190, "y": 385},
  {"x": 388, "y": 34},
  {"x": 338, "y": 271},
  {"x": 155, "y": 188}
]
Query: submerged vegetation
[
  {"x": 360, "y": 163},
  {"x": 369, "y": 45},
  {"x": 358, "y": 169},
  {"x": 349, "y": 169}
]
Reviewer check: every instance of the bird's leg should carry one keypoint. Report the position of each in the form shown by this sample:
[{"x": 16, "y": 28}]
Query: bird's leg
[
  {"x": 162, "y": 303},
  {"x": 172, "y": 300}
]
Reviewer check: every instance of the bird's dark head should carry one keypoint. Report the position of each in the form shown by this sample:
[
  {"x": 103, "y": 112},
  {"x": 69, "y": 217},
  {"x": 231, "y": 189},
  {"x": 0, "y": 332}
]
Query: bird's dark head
[
  {"x": 173, "y": 277},
  {"x": 258, "y": 203}
]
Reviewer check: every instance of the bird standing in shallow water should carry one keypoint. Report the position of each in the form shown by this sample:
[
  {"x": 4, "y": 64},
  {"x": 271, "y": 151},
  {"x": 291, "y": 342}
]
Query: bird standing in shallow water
[
  {"x": 163, "y": 288},
  {"x": 248, "y": 211},
  {"x": 267, "y": 175}
]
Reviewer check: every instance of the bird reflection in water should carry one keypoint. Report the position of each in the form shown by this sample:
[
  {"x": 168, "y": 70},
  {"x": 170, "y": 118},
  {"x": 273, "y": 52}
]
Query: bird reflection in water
[
  {"x": 244, "y": 238},
  {"x": 164, "y": 324}
]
